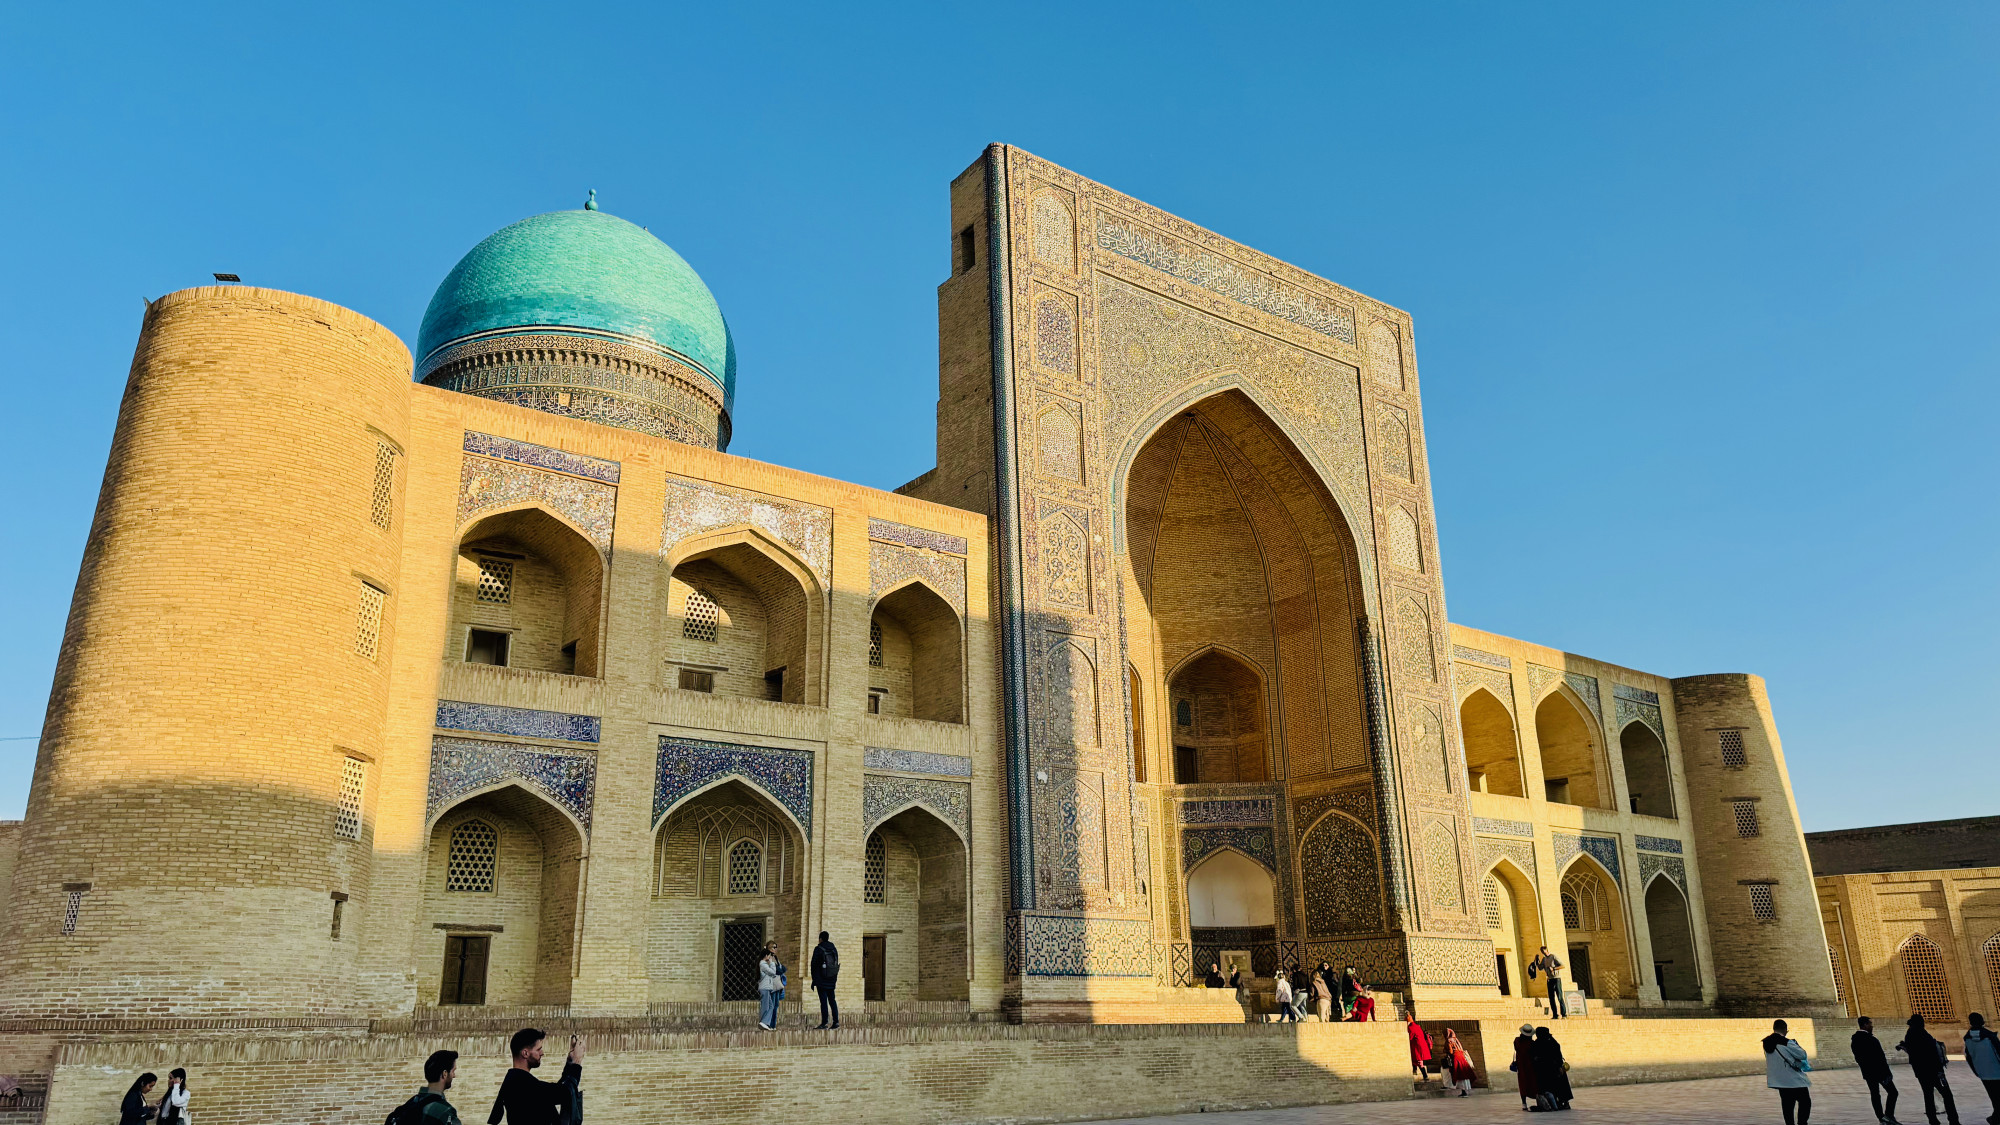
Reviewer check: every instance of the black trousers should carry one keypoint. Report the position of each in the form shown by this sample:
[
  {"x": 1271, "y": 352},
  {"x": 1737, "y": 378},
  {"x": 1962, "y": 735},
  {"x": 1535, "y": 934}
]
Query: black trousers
[
  {"x": 1556, "y": 1007},
  {"x": 829, "y": 1012},
  {"x": 1876, "y": 1084},
  {"x": 1935, "y": 1082},
  {"x": 1993, "y": 1095},
  {"x": 1795, "y": 1100}
]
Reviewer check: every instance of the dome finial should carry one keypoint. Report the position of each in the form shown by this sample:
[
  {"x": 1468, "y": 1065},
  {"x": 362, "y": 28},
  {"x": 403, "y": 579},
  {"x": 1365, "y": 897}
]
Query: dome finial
[{"x": 591, "y": 203}]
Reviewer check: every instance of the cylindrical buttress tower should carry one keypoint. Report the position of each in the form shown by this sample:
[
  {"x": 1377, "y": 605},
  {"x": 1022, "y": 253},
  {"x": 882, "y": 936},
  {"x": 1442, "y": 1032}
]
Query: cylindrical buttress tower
[{"x": 200, "y": 815}]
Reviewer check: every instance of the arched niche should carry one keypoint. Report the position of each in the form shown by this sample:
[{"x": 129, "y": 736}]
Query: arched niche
[
  {"x": 1221, "y": 698},
  {"x": 1573, "y": 770},
  {"x": 502, "y": 880},
  {"x": 916, "y": 647},
  {"x": 1648, "y": 782},
  {"x": 527, "y": 592},
  {"x": 1492, "y": 746},
  {"x": 1594, "y": 928},
  {"x": 742, "y": 617},
  {"x": 728, "y": 866},
  {"x": 917, "y": 904},
  {"x": 1670, "y": 924},
  {"x": 1507, "y": 907},
  {"x": 1229, "y": 890}
]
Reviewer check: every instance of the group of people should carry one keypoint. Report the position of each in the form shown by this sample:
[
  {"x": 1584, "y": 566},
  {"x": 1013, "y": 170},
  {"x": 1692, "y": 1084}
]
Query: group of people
[
  {"x": 1336, "y": 997},
  {"x": 1788, "y": 1071},
  {"x": 772, "y": 977},
  {"x": 1541, "y": 1075},
  {"x": 171, "y": 1109}
]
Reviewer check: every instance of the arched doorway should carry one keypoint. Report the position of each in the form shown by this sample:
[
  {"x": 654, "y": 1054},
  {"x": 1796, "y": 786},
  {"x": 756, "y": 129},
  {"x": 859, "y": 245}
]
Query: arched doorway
[
  {"x": 915, "y": 661},
  {"x": 729, "y": 874},
  {"x": 1492, "y": 748},
  {"x": 1516, "y": 932},
  {"x": 1647, "y": 778},
  {"x": 741, "y": 623},
  {"x": 913, "y": 915},
  {"x": 1572, "y": 768},
  {"x": 1672, "y": 931},
  {"x": 501, "y": 882},
  {"x": 1594, "y": 925},
  {"x": 1218, "y": 704},
  {"x": 526, "y": 594},
  {"x": 1232, "y": 910}
]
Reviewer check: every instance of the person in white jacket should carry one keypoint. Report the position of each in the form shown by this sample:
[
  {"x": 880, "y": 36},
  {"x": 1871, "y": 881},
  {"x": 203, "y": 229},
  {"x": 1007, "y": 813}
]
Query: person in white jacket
[
  {"x": 1786, "y": 1071},
  {"x": 1982, "y": 1054},
  {"x": 173, "y": 1109}
]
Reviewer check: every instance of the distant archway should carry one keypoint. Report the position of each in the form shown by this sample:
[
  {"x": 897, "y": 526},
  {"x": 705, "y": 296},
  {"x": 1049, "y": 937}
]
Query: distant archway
[
  {"x": 1507, "y": 905},
  {"x": 1647, "y": 778},
  {"x": 1492, "y": 748},
  {"x": 741, "y": 622},
  {"x": 1572, "y": 772},
  {"x": 729, "y": 874},
  {"x": 1232, "y": 907},
  {"x": 527, "y": 593},
  {"x": 1671, "y": 928},
  {"x": 501, "y": 886},
  {"x": 1924, "y": 979},
  {"x": 915, "y": 656},
  {"x": 1222, "y": 700},
  {"x": 914, "y": 901},
  {"x": 1594, "y": 921}
]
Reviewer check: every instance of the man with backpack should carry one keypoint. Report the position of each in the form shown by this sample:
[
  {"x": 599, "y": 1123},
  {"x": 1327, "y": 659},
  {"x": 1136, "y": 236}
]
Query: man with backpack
[
  {"x": 826, "y": 974},
  {"x": 429, "y": 1104}
]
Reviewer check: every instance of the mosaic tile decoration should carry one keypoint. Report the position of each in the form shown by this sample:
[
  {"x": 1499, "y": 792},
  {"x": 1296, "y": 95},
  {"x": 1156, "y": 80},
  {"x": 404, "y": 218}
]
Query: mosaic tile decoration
[
  {"x": 1443, "y": 879},
  {"x": 1540, "y": 677},
  {"x": 1658, "y": 844},
  {"x": 1258, "y": 843},
  {"x": 1223, "y": 277},
  {"x": 1520, "y": 852},
  {"x": 465, "y": 765},
  {"x": 1378, "y": 962},
  {"x": 1603, "y": 849},
  {"x": 1341, "y": 877},
  {"x": 1436, "y": 960},
  {"x": 1357, "y": 803},
  {"x": 1470, "y": 679},
  {"x": 915, "y": 537},
  {"x": 890, "y": 565},
  {"x": 1065, "y": 946},
  {"x": 1628, "y": 711},
  {"x": 1674, "y": 867},
  {"x": 1480, "y": 656},
  {"x": 1636, "y": 695},
  {"x": 915, "y": 761},
  {"x": 1493, "y": 826},
  {"x": 489, "y": 718},
  {"x": 690, "y": 764},
  {"x": 694, "y": 506},
  {"x": 485, "y": 484},
  {"x": 541, "y": 456},
  {"x": 1254, "y": 810},
  {"x": 883, "y": 797}
]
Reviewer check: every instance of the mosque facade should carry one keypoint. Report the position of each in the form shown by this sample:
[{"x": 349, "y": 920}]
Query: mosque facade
[{"x": 480, "y": 678}]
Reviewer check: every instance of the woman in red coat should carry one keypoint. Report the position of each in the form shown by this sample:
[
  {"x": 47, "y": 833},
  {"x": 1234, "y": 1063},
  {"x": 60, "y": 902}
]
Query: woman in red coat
[{"x": 1420, "y": 1046}]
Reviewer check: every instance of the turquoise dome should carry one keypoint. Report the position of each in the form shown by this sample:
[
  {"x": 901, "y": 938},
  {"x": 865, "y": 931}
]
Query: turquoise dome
[{"x": 588, "y": 272}]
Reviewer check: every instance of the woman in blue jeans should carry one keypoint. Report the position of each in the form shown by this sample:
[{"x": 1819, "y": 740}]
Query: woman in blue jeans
[{"x": 770, "y": 987}]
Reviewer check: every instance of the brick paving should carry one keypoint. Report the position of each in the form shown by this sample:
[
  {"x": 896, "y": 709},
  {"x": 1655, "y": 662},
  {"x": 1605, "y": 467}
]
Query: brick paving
[{"x": 1839, "y": 1098}]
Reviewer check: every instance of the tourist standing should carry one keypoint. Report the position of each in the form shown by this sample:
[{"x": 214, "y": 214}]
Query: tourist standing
[
  {"x": 1927, "y": 1063},
  {"x": 429, "y": 1104},
  {"x": 1982, "y": 1056},
  {"x": 770, "y": 987},
  {"x": 1351, "y": 989},
  {"x": 1301, "y": 993},
  {"x": 1236, "y": 977},
  {"x": 1462, "y": 1071},
  {"x": 1215, "y": 978},
  {"x": 1551, "y": 1070},
  {"x": 134, "y": 1110},
  {"x": 1420, "y": 1046},
  {"x": 1785, "y": 1070},
  {"x": 1523, "y": 1067},
  {"x": 1325, "y": 972},
  {"x": 528, "y": 1100},
  {"x": 1322, "y": 997},
  {"x": 1874, "y": 1065},
  {"x": 1285, "y": 998},
  {"x": 172, "y": 1109},
  {"x": 1550, "y": 966},
  {"x": 825, "y": 968}
]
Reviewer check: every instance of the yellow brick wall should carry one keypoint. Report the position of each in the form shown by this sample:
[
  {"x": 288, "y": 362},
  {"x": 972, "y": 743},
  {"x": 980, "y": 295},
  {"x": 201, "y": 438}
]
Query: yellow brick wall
[{"x": 1872, "y": 923}]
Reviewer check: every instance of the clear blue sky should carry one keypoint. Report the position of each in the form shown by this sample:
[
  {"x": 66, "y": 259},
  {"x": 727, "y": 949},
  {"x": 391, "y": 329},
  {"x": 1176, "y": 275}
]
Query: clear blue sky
[{"x": 1705, "y": 294}]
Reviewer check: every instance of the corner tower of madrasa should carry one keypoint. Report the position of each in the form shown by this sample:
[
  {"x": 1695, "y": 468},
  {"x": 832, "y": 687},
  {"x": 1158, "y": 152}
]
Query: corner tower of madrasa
[{"x": 429, "y": 694}]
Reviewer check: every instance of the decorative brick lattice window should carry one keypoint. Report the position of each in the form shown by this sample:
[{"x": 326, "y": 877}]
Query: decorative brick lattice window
[
  {"x": 1745, "y": 814},
  {"x": 1923, "y": 979},
  {"x": 1583, "y": 902},
  {"x": 1839, "y": 976},
  {"x": 1731, "y": 742},
  {"x": 1991, "y": 955},
  {"x": 496, "y": 580},
  {"x": 368, "y": 622},
  {"x": 746, "y": 868},
  {"x": 475, "y": 852},
  {"x": 875, "y": 870},
  {"x": 381, "y": 505},
  {"x": 703, "y": 618},
  {"x": 353, "y": 785},
  {"x": 874, "y": 644},
  {"x": 72, "y": 906},
  {"x": 1494, "y": 918},
  {"x": 1763, "y": 903}
]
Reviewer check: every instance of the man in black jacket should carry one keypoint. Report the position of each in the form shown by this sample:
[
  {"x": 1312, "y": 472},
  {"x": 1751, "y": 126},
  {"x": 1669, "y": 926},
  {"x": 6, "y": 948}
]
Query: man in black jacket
[
  {"x": 1874, "y": 1069},
  {"x": 528, "y": 1100},
  {"x": 825, "y": 975},
  {"x": 1927, "y": 1063}
]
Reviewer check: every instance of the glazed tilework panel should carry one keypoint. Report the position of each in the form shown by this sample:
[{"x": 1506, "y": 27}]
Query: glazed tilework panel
[
  {"x": 1603, "y": 849},
  {"x": 1377, "y": 961},
  {"x": 1520, "y": 852},
  {"x": 1674, "y": 867},
  {"x": 541, "y": 457},
  {"x": 1357, "y": 803},
  {"x": 1471, "y": 679},
  {"x": 1480, "y": 656},
  {"x": 693, "y": 507},
  {"x": 1339, "y": 873},
  {"x": 466, "y": 765},
  {"x": 1658, "y": 844},
  {"x": 884, "y": 797},
  {"x": 915, "y": 761},
  {"x": 1069, "y": 814},
  {"x": 1540, "y": 679},
  {"x": 485, "y": 484},
  {"x": 1157, "y": 250},
  {"x": 488, "y": 718},
  {"x": 1059, "y": 946},
  {"x": 890, "y": 565},
  {"x": 1492, "y": 826},
  {"x": 1436, "y": 960},
  {"x": 1255, "y": 810},
  {"x": 1443, "y": 875},
  {"x": 1423, "y": 748},
  {"x": 1628, "y": 711},
  {"x": 688, "y": 765},
  {"x": 909, "y": 536},
  {"x": 1636, "y": 695},
  {"x": 1198, "y": 844}
]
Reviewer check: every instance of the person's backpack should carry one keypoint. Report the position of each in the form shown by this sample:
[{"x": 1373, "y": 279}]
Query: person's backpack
[
  {"x": 411, "y": 1112},
  {"x": 832, "y": 963}
]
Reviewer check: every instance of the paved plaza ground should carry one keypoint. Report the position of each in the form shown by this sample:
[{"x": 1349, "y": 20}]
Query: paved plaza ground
[{"x": 1839, "y": 1098}]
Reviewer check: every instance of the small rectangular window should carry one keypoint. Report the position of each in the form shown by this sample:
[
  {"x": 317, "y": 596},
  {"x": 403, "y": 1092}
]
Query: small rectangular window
[
  {"x": 1763, "y": 904},
  {"x": 72, "y": 905},
  {"x": 381, "y": 505},
  {"x": 496, "y": 580},
  {"x": 1556, "y": 789},
  {"x": 1745, "y": 814},
  {"x": 353, "y": 787},
  {"x": 368, "y": 622},
  {"x": 703, "y": 620},
  {"x": 339, "y": 905},
  {"x": 692, "y": 680},
  {"x": 486, "y": 646},
  {"x": 569, "y": 658},
  {"x": 774, "y": 685},
  {"x": 968, "y": 250},
  {"x": 1731, "y": 742},
  {"x": 874, "y": 703}
]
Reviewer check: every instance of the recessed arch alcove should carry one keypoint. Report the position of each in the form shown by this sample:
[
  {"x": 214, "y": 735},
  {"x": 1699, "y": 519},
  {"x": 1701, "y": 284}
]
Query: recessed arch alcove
[
  {"x": 742, "y": 618},
  {"x": 527, "y": 592},
  {"x": 729, "y": 873}
]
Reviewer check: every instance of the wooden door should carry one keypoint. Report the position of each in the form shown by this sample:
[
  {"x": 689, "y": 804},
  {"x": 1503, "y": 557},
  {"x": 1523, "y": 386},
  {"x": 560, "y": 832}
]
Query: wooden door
[
  {"x": 464, "y": 980},
  {"x": 874, "y": 966}
]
